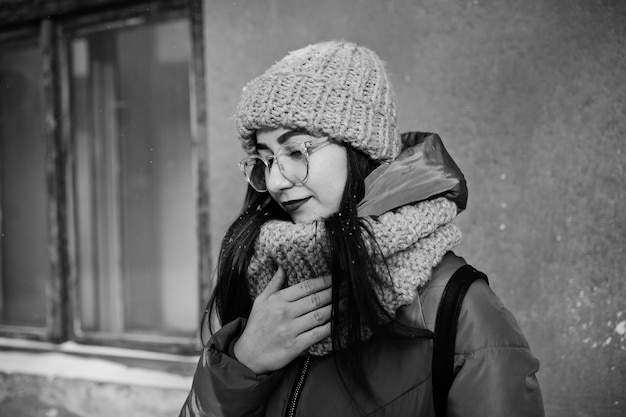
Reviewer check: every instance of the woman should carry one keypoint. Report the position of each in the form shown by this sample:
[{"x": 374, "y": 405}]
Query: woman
[{"x": 329, "y": 281}]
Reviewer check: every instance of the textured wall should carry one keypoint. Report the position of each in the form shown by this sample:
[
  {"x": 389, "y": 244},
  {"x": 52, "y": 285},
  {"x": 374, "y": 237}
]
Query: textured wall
[{"x": 529, "y": 98}]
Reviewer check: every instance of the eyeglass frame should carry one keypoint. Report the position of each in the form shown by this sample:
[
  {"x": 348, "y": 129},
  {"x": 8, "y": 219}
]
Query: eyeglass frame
[{"x": 307, "y": 147}]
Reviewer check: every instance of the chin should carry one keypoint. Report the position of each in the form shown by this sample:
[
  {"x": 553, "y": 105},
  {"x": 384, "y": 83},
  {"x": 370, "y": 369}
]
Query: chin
[
  {"x": 303, "y": 219},
  {"x": 306, "y": 217}
]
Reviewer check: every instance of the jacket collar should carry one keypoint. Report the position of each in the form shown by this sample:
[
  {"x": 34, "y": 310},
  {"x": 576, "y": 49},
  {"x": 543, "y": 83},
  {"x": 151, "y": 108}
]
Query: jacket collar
[{"x": 423, "y": 170}]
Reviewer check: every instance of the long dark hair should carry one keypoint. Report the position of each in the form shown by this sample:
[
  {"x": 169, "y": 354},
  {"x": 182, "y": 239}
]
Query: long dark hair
[{"x": 356, "y": 271}]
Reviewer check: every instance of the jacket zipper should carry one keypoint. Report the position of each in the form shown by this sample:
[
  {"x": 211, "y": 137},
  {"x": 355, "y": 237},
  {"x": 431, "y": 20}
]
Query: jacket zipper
[{"x": 296, "y": 390}]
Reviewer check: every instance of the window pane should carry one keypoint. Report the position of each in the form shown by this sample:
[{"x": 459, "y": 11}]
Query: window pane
[
  {"x": 23, "y": 241},
  {"x": 135, "y": 200}
]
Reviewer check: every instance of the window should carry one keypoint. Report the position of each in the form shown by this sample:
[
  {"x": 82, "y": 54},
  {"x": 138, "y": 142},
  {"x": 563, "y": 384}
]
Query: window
[
  {"x": 102, "y": 202},
  {"x": 23, "y": 242}
]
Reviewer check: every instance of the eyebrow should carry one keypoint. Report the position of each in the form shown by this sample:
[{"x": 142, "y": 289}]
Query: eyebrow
[{"x": 284, "y": 137}]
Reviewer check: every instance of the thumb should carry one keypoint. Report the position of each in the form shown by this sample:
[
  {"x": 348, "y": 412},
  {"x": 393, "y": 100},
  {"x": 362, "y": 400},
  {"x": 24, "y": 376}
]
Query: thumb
[{"x": 276, "y": 283}]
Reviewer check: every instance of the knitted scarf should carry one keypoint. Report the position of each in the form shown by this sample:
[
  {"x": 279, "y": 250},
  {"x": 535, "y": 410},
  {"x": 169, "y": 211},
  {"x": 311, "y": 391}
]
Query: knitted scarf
[{"x": 412, "y": 239}]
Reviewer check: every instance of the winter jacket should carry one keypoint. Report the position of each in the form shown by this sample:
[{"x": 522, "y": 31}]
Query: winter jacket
[{"x": 495, "y": 369}]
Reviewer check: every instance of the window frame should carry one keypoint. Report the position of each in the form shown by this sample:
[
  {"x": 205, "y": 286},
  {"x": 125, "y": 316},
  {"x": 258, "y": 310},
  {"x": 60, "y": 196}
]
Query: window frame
[
  {"x": 53, "y": 28},
  {"x": 38, "y": 35}
]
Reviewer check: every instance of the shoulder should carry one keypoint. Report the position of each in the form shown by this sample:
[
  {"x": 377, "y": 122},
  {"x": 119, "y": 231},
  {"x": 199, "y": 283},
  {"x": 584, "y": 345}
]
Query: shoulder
[
  {"x": 431, "y": 294},
  {"x": 483, "y": 320}
]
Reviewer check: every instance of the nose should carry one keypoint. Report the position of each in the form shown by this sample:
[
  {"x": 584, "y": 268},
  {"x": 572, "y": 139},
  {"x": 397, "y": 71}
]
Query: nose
[{"x": 275, "y": 180}]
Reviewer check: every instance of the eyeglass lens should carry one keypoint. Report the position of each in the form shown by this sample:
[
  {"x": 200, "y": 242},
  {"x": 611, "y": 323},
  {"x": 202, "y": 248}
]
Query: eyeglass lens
[{"x": 292, "y": 162}]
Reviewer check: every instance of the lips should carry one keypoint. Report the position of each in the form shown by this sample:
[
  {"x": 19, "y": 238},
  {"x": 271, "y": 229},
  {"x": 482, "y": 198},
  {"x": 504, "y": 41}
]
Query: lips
[{"x": 293, "y": 205}]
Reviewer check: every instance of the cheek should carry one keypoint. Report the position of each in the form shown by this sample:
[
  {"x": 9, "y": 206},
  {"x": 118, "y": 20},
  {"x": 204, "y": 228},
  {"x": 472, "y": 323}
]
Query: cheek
[
  {"x": 333, "y": 180},
  {"x": 337, "y": 193}
]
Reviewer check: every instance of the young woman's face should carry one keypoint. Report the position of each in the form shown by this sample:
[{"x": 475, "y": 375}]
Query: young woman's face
[{"x": 320, "y": 194}]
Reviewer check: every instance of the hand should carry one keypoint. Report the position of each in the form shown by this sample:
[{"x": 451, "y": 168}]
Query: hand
[{"x": 284, "y": 323}]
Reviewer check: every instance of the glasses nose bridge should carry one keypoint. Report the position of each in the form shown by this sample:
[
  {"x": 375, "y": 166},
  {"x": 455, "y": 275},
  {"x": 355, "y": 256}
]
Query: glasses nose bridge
[
  {"x": 270, "y": 161},
  {"x": 272, "y": 181}
]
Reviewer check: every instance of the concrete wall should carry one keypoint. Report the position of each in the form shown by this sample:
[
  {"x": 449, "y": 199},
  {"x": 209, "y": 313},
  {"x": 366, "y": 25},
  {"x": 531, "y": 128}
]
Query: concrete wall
[{"x": 529, "y": 97}]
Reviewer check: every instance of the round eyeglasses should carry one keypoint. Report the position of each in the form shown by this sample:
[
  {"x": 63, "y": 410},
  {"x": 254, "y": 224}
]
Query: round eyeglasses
[{"x": 292, "y": 159}]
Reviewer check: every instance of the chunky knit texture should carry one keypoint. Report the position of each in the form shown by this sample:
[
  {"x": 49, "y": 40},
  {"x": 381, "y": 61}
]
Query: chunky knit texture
[
  {"x": 336, "y": 89},
  {"x": 413, "y": 240}
]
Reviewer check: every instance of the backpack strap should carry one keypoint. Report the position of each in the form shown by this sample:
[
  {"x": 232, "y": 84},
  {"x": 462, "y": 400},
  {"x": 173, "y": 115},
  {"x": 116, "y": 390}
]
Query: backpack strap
[{"x": 445, "y": 333}]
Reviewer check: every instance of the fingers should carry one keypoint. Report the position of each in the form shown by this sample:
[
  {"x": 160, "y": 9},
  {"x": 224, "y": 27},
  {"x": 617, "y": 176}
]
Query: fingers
[
  {"x": 307, "y": 287},
  {"x": 311, "y": 302},
  {"x": 311, "y": 337},
  {"x": 276, "y": 283},
  {"x": 313, "y": 319}
]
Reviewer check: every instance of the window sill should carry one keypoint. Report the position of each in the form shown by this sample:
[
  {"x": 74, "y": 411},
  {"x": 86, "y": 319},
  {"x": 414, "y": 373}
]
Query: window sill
[{"x": 96, "y": 363}]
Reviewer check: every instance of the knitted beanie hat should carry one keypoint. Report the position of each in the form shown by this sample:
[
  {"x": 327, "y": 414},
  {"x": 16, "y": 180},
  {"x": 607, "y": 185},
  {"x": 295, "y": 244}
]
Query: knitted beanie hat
[{"x": 336, "y": 89}]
